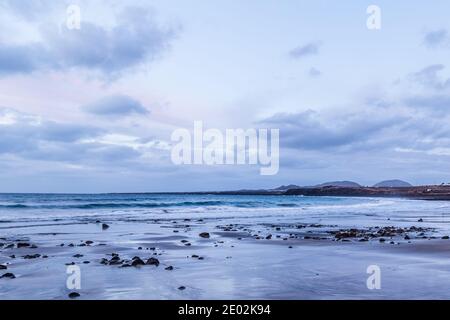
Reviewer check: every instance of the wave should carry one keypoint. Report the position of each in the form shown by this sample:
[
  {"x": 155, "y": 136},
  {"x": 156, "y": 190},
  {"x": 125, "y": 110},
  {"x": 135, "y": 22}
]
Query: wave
[{"x": 122, "y": 205}]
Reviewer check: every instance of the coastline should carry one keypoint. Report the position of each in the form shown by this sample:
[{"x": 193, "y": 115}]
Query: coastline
[{"x": 284, "y": 253}]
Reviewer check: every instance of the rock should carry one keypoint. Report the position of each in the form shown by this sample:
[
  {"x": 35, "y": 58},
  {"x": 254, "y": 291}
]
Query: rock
[
  {"x": 445, "y": 237},
  {"x": 194, "y": 256},
  {"x": 382, "y": 240},
  {"x": 407, "y": 237},
  {"x": 181, "y": 288},
  {"x": 184, "y": 241},
  {"x": 13, "y": 256},
  {"x": 169, "y": 268},
  {"x": 8, "y": 275},
  {"x": 86, "y": 262},
  {"x": 89, "y": 242},
  {"x": 32, "y": 256},
  {"x": 74, "y": 295},
  {"x": 137, "y": 262},
  {"x": 153, "y": 261},
  {"x": 420, "y": 220},
  {"x": 3, "y": 267},
  {"x": 23, "y": 245},
  {"x": 269, "y": 237},
  {"x": 104, "y": 226},
  {"x": 77, "y": 255},
  {"x": 204, "y": 235}
]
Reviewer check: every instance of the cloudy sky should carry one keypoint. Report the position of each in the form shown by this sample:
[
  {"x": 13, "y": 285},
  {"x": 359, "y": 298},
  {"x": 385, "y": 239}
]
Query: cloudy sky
[{"x": 92, "y": 110}]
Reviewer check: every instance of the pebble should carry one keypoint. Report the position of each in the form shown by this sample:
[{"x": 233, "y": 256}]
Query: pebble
[
  {"x": 204, "y": 235},
  {"x": 104, "y": 226},
  {"x": 8, "y": 275},
  {"x": 181, "y": 288},
  {"x": 74, "y": 295}
]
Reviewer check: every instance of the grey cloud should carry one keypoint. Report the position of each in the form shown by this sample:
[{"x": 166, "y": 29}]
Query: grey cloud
[
  {"x": 116, "y": 105},
  {"x": 429, "y": 77},
  {"x": 307, "y": 130},
  {"x": 134, "y": 40},
  {"x": 433, "y": 103},
  {"x": 306, "y": 50},
  {"x": 437, "y": 38},
  {"x": 314, "y": 73}
]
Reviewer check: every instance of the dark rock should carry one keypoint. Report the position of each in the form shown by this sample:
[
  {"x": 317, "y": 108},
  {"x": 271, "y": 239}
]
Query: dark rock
[
  {"x": 204, "y": 235},
  {"x": 170, "y": 268},
  {"x": 104, "y": 226},
  {"x": 23, "y": 245},
  {"x": 32, "y": 256},
  {"x": 181, "y": 288},
  {"x": 445, "y": 237},
  {"x": 137, "y": 262},
  {"x": 184, "y": 241},
  {"x": 420, "y": 220},
  {"x": 89, "y": 242},
  {"x": 407, "y": 237},
  {"x": 269, "y": 237},
  {"x": 3, "y": 267},
  {"x": 153, "y": 261},
  {"x": 74, "y": 295},
  {"x": 86, "y": 262},
  {"x": 77, "y": 255},
  {"x": 8, "y": 275},
  {"x": 382, "y": 240}
]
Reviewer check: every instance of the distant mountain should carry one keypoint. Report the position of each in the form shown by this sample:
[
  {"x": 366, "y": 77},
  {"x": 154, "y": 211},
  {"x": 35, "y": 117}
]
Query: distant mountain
[
  {"x": 392, "y": 184},
  {"x": 284, "y": 188},
  {"x": 344, "y": 184}
]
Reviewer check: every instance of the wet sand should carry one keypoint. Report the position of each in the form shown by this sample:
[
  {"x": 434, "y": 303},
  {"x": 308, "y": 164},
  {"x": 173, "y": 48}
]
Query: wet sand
[{"x": 232, "y": 259}]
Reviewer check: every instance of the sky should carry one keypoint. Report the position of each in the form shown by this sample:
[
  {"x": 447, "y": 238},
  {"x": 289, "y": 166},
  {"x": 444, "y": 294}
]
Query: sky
[{"x": 93, "y": 109}]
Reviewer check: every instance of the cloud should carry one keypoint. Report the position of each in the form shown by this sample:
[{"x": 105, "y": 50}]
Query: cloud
[
  {"x": 306, "y": 50},
  {"x": 115, "y": 106},
  {"x": 310, "y": 130},
  {"x": 430, "y": 77},
  {"x": 314, "y": 73},
  {"x": 28, "y": 9},
  {"x": 437, "y": 39},
  {"x": 134, "y": 40}
]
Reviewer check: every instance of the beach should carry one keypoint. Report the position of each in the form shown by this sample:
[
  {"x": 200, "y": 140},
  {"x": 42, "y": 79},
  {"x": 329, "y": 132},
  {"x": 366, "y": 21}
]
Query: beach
[{"x": 150, "y": 246}]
